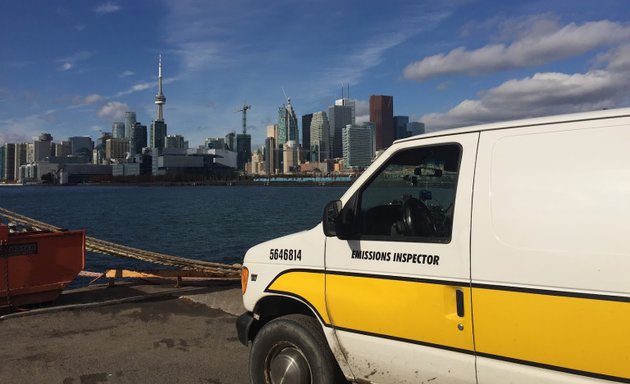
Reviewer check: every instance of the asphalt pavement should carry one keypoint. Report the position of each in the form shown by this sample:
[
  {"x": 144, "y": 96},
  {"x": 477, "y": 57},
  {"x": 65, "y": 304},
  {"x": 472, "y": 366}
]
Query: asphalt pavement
[{"x": 127, "y": 334}]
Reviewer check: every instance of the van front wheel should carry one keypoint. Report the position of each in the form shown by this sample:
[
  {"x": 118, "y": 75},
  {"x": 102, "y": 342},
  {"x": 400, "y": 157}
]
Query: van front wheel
[{"x": 292, "y": 349}]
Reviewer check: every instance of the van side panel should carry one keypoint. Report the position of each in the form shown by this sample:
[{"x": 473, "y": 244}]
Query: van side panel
[{"x": 550, "y": 252}]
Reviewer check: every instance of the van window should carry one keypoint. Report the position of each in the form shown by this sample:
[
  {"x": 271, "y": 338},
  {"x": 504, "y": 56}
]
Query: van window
[{"x": 412, "y": 197}]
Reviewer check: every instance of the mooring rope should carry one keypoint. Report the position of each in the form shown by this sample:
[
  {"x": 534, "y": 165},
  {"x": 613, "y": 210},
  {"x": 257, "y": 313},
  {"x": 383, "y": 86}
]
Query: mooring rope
[{"x": 109, "y": 248}]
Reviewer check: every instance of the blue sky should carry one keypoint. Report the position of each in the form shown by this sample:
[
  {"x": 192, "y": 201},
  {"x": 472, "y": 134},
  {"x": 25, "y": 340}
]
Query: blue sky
[{"x": 74, "y": 67}]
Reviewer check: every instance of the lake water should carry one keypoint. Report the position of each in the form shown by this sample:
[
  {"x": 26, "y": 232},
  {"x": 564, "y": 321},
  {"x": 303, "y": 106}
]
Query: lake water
[{"x": 208, "y": 223}]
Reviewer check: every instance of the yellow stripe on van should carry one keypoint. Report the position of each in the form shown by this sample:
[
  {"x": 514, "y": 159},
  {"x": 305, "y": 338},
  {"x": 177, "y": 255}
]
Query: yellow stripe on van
[
  {"x": 575, "y": 333},
  {"x": 306, "y": 285},
  {"x": 409, "y": 310}
]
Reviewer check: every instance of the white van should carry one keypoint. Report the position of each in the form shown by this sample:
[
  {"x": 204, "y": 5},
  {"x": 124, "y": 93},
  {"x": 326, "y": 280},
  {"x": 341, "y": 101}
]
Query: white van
[{"x": 491, "y": 254}]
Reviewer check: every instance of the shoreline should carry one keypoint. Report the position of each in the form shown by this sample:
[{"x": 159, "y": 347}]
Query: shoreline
[{"x": 240, "y": 183}]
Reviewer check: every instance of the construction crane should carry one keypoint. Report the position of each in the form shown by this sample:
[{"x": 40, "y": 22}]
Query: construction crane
[{"x": 244, "y": 110}]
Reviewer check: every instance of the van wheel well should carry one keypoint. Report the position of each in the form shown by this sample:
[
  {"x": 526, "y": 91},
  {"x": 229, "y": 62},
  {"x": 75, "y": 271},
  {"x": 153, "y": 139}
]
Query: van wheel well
[{"x": 272, "y": 307}]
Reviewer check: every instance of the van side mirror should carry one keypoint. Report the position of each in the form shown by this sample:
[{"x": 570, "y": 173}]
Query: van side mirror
[{"x": 332, "y": 212}]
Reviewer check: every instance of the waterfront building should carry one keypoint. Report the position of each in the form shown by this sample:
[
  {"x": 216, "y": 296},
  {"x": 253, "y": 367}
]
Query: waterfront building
[
  {"x": 272, "y": 161},
  {"x": 136, "y": 165},
  {"x": 315, "y": 168},
  {"x": 339, "y": 117},
  {"x": 320, "y": 137},
  {"x": 223, "y": 157},
  {"x": 9, "y": 162},
  {"x": 138, "y": 139},
  {"x": 2, "y": 160},
  {"x": 358, "y": 147},
  {"x": 214, "y": 143},
  {"x": 415, "y": 128},
  {"x": 30, "y": 152},
  {"x": 230, "y": 141},
  {"x": 66, "y": 172},
  {"x": 81, "y": 145},
  {"x": 116, "y": 149},
  {"x": 382, "y": 115},
  {"x": 21, "y": 154},
  {"x": 63, "y": 149},
  {"x": 400, "y": 127},
  {"x": 158, "y": 133},
  {"x": 158, "y": 127},
  {"x": 130, "y": 122},
  {"x": 272, "y": 131},
  {"x": 98, "y": 154},
  {"x": 174, "y": 141},
  {"x": 257, "y": 165},
  {"x": 291, "y": 157},
  {"x": 287, "y": 124},
  {"x": 178, "y": 161},
  {"x": 346, "y": 102},
  {"x": 118, "y": 130},
  {"x": 42, "y": 147},
  {"x": 243, "y": 149},
  {"x": 306, "y": 134}
]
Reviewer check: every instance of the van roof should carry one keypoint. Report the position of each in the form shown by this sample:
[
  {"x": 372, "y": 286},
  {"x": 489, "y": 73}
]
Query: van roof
[{"x": 595, "y": 115}]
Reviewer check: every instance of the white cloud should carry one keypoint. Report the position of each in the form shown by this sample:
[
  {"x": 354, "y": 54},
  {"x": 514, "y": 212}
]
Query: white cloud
[
  {"x": 23, "y": 130},
  {"x": 618, "y": 60},
  {"x": 107, "y": 8},
  {"x": 542, "y": 94},
  {"x": 137, "y": 88},
  {"x": 535, "y": 45},
  {"x": 91, "y": 99},
  {"x": 127, "y": 73},
  {"x": 361, "y": 111},
  {"x": 69, "y": 62},
  {"x": 65, "y": 67},
  {"x": 113, "y": 110}
]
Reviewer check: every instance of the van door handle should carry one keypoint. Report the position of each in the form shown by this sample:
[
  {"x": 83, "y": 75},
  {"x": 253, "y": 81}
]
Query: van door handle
[{"x": 459, "y": 297}]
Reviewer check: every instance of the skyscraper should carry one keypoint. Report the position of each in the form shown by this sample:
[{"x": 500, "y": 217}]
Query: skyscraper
[
  {"x": 139, "y": 139},
  {"x": 382, "y": 115},
  {"x": 415, "y": 128},
  {"x": 21, "y": 154},
  {"x": 271, "y": 156},
  {"x": 400, "y": 127},
  {"x": 42, "y": 147},
  {"x": 358, "y": 148},
  {"x": 81, "y": 145},
  {"x": 306, "y": 133},
  {"x": 174, "y": 141},
  {"x": 345, "y": 102},
  {"x": 130, "y": 122},
  {"x": 9, "y": 162},
  {"x": 118, "y": 130},
  {"x": 3, "y": 150},
  {"x": 158, "y": 127},
  {"x": 243, "y": 149},
  {"x": 320, "y": 137},
  {"x": 287, "y": 124},
  {"x": 230, "y": 141},
  {"x": 339, "y": 116}
]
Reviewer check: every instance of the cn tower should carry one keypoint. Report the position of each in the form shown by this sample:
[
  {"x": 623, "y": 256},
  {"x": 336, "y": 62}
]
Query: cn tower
[
  {"x": 158, "y": 126},
  {"x": 160, "y": 99}
]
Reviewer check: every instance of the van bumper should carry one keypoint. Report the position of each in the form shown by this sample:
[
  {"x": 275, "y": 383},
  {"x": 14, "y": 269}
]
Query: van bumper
[{"x": 243, "y": 327}]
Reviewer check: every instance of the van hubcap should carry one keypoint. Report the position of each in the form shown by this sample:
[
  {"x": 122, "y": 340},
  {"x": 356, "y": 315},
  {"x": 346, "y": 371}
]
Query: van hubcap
[{"x": 287, "y": 365}]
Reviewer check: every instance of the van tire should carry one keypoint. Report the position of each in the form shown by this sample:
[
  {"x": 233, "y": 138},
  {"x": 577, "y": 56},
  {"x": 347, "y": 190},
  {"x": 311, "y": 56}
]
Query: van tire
[{"x": 297, "y": 339}]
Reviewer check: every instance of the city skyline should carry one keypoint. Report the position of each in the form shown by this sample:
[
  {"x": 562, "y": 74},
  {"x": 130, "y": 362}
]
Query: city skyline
[{"x": 456, "y": 63}]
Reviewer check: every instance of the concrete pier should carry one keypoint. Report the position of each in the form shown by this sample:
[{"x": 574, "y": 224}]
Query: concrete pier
[{"x": 129, "y": 333}]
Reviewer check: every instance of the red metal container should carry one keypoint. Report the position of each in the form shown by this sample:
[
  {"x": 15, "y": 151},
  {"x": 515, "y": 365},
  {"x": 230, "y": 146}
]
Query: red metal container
[{"x": 36, "y": 266}]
